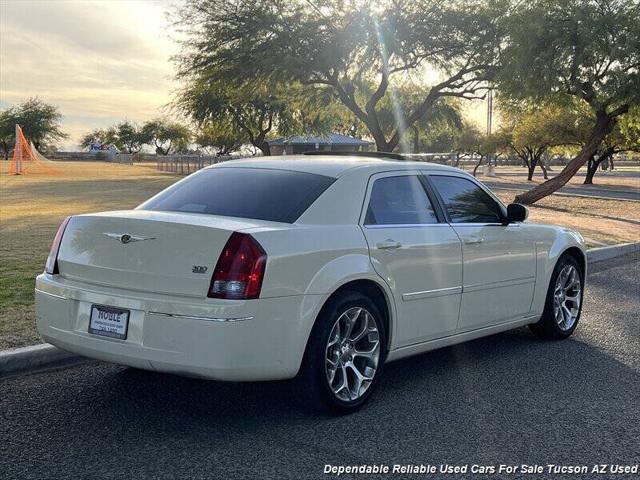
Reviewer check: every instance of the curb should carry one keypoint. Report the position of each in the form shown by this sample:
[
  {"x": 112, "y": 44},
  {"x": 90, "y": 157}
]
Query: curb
[
  {"x": 605, "y": 253},
  {"x": 35, "y": 357},
  {"x": 44, "y": 356}
]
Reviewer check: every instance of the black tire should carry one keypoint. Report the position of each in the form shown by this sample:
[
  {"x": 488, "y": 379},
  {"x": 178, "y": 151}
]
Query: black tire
[
  {"x": 547, "y": 327},
  {"x": 312, "y": 382}
]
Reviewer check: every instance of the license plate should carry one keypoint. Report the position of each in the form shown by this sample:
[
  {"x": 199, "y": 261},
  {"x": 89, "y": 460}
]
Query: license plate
[{"x": 109, "y": 321}]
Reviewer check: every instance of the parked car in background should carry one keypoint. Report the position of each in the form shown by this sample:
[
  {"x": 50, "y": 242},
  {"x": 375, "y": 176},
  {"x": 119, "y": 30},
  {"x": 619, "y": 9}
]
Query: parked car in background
[{"x": 316, "y": 267}]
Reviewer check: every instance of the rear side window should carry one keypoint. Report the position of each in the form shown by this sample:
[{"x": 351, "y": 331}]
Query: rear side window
[
  {"x": 257, "y": 193},
  {"x": 399, "y": 200},
  {"x": 465, "y": 201}
]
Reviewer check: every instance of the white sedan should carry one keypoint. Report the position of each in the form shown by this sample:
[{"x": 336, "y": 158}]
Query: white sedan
[{"x": 316, "y": 267}]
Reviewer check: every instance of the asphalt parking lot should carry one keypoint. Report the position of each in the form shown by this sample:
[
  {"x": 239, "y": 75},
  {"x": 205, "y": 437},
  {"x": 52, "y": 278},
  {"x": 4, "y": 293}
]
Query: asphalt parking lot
[{"x": 509, "y": 399}]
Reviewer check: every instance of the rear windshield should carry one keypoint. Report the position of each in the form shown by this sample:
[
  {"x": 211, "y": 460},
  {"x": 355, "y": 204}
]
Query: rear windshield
[{"x": 258, "y": 193}]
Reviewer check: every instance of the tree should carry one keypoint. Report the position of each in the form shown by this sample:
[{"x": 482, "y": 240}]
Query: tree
[
  {"x": 531, "y": 130},
  {"x": 128, "y": 136},
  {"x": 625, "y": 137},
  {"x": 256, "y": 112},
  {"x": 100, "y": 135},
  {"x": 7, "y": 130},
  {"x": 445, "y": 115},
  {"x": 260, "y": 112},
  {"x": 437, "y": 137},
  {"x": 224, "y": 138},
  {"x": 40, "y": 123},
  {"x": 487, "y": 146},
  {"x": 468, "y": 141},
  {"x": 166, "y": 136},
  {"x": 567, "y": 50},
  {"x": 357, "y": 49}
]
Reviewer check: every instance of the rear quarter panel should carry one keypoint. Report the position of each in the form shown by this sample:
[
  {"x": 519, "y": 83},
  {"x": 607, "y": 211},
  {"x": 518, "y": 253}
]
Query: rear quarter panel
[
  {"x": 551, "y": 242},
  {"x": 314, "y": 262}
]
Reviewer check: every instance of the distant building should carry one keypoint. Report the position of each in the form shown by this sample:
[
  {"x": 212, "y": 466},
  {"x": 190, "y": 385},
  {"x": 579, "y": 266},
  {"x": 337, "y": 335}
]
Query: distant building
[{"x": 332, "y": 142}]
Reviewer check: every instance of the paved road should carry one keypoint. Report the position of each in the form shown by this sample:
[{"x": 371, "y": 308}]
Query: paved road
[
  {"x": 582, "y": 190},
  {"x": 509, "y": 398},
  {"x": 615, "y": 173}
]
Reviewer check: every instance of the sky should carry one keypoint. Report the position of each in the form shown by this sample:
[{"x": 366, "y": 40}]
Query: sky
[{"x": 99, "y": 61}]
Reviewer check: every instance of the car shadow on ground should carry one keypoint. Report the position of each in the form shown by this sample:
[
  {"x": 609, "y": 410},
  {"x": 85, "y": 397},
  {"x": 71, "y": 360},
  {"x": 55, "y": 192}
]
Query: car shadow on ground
[
  {"x": 499, "y": 374},
  {"x": 505, "y": 398}
]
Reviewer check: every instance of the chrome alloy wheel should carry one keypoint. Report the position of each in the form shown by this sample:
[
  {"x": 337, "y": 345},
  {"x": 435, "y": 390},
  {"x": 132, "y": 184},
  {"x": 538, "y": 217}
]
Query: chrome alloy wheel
[
  {"x": 567, "y": 298},
  {"x": 352, "y": 354}
]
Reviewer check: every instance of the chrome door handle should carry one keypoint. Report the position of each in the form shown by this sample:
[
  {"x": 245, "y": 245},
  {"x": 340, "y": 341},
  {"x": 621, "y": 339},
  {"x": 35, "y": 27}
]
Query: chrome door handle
[
  {"x": 388, "y": 245},
  {"x": 473, "y": 240}
]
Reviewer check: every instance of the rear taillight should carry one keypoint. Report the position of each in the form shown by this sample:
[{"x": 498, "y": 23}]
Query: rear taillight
[
  {"x": 240, "y": 269},
  {"x": 52, "y": 261}
]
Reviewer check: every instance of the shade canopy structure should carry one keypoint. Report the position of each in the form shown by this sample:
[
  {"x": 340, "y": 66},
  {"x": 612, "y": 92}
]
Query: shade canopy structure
[{"x": 330, "y": 142}]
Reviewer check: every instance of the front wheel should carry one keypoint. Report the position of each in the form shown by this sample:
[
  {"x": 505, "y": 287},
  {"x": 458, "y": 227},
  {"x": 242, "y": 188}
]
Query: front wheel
[
  {"x": 344, "y": 355},
  {"x": 564, "y": 301}
]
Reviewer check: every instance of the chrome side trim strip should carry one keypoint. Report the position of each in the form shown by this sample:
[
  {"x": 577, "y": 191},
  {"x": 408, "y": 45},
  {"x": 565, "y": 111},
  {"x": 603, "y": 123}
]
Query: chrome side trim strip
[
  {"x": 503, "y": 283},
  {"x": 439, "y": 292},
  {"x": 206, "y": 319},
  {"x": 467, "y": 288},
  {"x": 51, "y": 294}
]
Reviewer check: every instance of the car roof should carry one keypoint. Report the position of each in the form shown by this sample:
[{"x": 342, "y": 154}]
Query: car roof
[{"x": 331, "y": 165}]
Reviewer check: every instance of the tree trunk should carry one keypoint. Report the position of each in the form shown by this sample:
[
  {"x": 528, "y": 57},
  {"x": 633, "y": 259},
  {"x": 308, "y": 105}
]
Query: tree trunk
[
  {"x": 603, "y": 127},
  {"x": 416, "y": 139},
  {"x": 531, "y": 167},
  {"x": 591, "y": 171},
  {"x": 593, "y": 164},
  {"x": 544, "y": 171},
  {"x": 543, "y": 166},
  {"x": 475, "y": 169},
  {"x": 264, "y": 148},
  {"x": 5, "y": 148},
  {"x": 381, "y": 143}
]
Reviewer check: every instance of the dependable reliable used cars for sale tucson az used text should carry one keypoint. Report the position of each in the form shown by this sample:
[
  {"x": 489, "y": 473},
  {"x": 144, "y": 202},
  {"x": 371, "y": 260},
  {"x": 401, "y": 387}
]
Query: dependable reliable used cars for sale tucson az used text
[{"x": 317, "y": 267}]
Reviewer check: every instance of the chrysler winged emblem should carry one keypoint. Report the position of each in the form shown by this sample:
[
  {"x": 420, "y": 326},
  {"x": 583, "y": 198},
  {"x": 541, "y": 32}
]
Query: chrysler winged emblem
[{"x": 125, "y": 238}]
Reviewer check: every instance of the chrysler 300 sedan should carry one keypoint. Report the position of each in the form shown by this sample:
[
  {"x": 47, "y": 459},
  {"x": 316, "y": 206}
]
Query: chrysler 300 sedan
[{"x": 321, "y": 268}]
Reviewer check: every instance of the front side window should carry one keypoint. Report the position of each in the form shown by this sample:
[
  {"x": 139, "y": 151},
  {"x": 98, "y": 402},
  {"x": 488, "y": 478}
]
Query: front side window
[
  {"x": 255, "y": 193},
  {"x": 465, "y": 201},
  {"x": 399, "y": 200}
]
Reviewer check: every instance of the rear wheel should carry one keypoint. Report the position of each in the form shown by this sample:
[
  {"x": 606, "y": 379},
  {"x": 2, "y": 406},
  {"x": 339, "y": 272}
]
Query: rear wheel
[
  {"x": 564, "y": 301},
  {"x": 344, "y": 355}
]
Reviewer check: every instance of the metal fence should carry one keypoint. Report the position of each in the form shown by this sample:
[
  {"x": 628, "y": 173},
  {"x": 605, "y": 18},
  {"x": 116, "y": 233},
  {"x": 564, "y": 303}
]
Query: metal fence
[
  {"x": 101, "y": 156},
  {"x": 448, "y": 158},
  {"x": 186, "y": 164}
]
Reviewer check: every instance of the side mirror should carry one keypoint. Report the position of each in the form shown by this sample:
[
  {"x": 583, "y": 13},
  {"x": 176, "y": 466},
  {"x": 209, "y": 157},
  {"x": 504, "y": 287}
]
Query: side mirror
[{"x": 517, "y": 212}]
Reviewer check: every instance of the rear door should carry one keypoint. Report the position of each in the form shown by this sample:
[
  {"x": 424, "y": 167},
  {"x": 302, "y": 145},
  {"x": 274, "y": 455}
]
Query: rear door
[
  {"x": 417, "y": 253},
  {"x": 499, "y": 266}
]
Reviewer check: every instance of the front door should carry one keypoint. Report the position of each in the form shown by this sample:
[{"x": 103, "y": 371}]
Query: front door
[
  {"x": 499, "y": 265},
  {"x": 417, "y": 254}
]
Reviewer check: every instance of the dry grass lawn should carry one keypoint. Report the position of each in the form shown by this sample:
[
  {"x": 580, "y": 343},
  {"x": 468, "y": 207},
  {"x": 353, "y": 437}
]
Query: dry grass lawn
[
  {"x": 601, "y": 222},
  {"x": 32, "y": 207}
]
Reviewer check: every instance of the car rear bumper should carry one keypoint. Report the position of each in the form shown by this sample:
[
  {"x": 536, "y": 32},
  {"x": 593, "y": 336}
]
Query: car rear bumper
[{"x": 261, "y": 339}]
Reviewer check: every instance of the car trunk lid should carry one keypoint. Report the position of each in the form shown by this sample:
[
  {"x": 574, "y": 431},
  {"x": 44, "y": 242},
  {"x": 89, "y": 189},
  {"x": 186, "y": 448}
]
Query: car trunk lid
[{"x": 160, "y": 252}]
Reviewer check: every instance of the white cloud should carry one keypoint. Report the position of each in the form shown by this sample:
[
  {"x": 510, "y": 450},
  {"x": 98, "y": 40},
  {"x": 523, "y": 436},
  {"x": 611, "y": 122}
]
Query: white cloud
[{"x": 99, "y": 61}]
